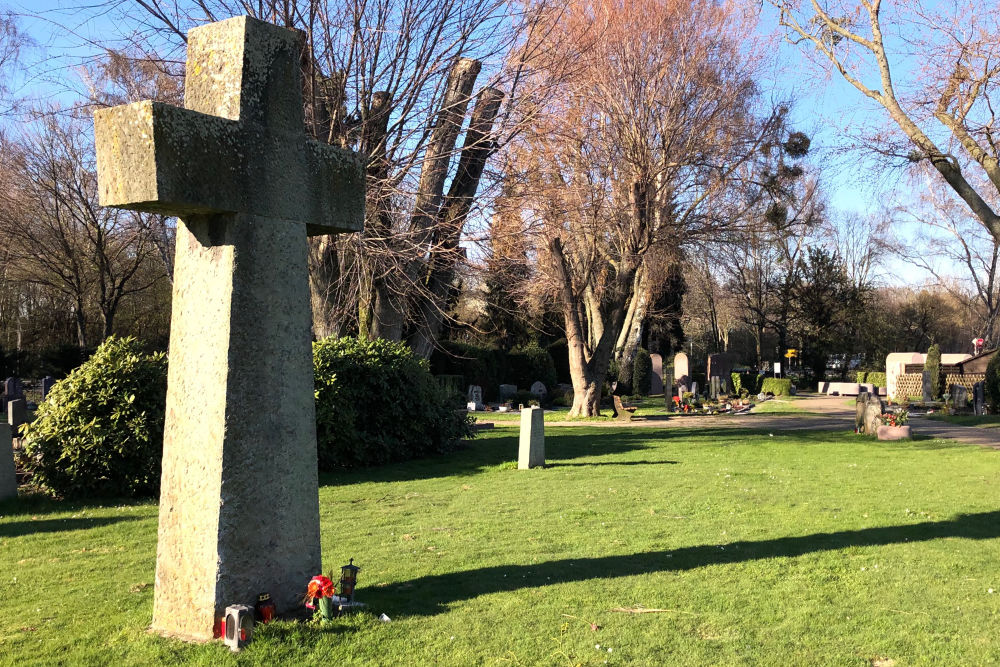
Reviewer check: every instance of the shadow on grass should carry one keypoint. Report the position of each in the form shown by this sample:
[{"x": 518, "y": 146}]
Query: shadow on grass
[
  {"x": 495, "y": 449},
  {"x": 557, "y": 464},
  {"x": 433, "y": 593},
  {"x": 29, "y": 527}
]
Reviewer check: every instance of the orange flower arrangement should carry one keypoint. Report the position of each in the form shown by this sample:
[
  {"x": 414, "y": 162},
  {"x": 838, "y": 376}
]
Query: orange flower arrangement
[{"x": 319, "y": 587}]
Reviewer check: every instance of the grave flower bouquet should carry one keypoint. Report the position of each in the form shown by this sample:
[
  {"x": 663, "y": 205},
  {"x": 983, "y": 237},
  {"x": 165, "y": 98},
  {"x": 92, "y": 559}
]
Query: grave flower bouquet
[
  {"x": 319, "y": 596},
  {"x": 896, "y": 418}
]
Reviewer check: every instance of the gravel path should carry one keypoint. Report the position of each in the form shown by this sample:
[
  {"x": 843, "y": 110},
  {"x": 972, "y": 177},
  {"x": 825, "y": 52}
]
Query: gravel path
[{"x": 822, "y": 413}]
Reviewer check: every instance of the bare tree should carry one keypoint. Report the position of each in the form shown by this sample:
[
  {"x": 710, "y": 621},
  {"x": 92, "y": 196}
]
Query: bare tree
[
  {"x": 952, "y": 247},
  {"x": 394, "y": 80},
  {"x": 945, "y": 108},
  {"x": 56, "y": 234},
  {"x": 648, "y": 115}
]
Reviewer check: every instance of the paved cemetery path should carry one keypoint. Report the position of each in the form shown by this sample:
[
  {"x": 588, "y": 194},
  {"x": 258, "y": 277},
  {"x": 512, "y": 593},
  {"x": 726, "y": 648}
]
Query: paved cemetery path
[{"x": 822, "y": 413}]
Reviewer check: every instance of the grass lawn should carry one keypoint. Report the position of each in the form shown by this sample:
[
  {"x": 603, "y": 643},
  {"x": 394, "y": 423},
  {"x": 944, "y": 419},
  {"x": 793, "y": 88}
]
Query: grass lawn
[
  {"x": 782, "y": 405},
  {"x": 806, "y": 548},
  {"x": 980, "y": 421}
]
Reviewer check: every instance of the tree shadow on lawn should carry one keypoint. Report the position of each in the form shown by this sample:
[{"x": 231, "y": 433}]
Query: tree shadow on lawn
[
  {"x": 432, "y": 594},
  {"x": 32, "y": 527},
  {"x": 493, "y": 451}
]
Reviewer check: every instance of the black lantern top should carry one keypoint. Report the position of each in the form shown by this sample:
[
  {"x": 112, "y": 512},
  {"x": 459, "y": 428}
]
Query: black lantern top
[
  {"x": 348, "y": 579},
  {"x": 349, "y": 570}
]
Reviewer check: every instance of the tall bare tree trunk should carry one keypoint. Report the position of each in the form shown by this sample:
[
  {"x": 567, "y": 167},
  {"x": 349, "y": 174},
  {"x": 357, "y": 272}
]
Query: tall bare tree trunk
[
  {"x": 445, "y": 253},
  {"x": 392, "y": 290}
]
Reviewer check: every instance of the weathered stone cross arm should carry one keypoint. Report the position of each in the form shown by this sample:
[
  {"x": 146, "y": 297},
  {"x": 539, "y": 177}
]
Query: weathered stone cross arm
[
  {"x": 233, "y": 149},
  {"x": 163, "y": 159}
]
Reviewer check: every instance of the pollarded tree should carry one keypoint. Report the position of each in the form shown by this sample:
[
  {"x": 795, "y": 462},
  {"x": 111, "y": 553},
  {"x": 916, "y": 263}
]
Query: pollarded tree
[
  {"x": 644, "y": 113},
  {"x": 399, "y": 82}
]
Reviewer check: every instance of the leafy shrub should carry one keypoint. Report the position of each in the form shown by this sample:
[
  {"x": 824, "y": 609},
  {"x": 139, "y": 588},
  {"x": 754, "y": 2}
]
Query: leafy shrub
[
  {"x": 748, "y": 381},
  {"x": 992, "y": 384},
  {"x": 933, "y": 366},
  {"x": 523, "y": 397},
  {"x": 642, "y": 373},
  {"x": 100, "y": 432},
  {"x": 564, "y": 398},
  {"x": 870, "y": 377},
  {"x": 376, "y": 403},
  {"x": 777, "y": 386},
  {"x": 529, "y": 364}
]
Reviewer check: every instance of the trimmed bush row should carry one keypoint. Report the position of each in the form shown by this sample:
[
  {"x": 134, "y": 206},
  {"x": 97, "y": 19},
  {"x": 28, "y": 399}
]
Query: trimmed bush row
[
  {"x": 871, "y": 377},
  {"x": 777, "y": 386},
  {"x": 100, "y": 434}
]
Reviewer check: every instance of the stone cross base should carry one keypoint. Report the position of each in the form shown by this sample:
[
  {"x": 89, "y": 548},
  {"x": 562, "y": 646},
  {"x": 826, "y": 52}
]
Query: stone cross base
[{"x": 531, "y": 448}]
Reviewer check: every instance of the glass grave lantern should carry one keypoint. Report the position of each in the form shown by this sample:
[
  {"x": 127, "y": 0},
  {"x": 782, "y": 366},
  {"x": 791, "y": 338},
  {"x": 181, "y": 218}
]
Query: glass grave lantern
[
  {"x": 348, "y": 580},
  {"x": 238, "y": 626},
  {"x": 264, "y": 610}
]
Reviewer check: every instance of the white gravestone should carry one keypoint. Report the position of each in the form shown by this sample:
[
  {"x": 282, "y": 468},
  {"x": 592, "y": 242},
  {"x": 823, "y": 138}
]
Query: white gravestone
[{"x": 531, "y": 447}]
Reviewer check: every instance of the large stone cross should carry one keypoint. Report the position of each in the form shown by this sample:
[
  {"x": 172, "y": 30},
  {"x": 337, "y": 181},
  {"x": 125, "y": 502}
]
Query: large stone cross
[{"x": 239, "y": 508}]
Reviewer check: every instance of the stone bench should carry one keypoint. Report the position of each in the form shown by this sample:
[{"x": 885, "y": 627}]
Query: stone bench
[{"x": 622, "y": 413}]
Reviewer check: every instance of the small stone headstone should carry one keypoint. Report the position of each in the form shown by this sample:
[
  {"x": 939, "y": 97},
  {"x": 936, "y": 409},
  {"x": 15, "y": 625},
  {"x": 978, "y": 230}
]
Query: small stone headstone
[
  {"x": 873, "y": 417},
  {"x": 475, "y": 397},
  {"x": 927, "y": 392},
  {"x": 959, "y": 396},
  {"x": 507, "y": 391},
  {"x": 47, "y": 383},
  {"x": 531, "y": 447},
  {"x": 715, "y": 387},
  {"x": 8, "y": 478},
  {"x": 539, "y": 390},
  {"x": 13, "y": 389},
  {"x": 979, "y": 398},
  {"x": 17, "y": 413},
  {"x": 694, "y": 389},
  {"x": 657, "y": 386},
  {"x": 682, "y": 369},
  {"x": 859, "y": 416}
]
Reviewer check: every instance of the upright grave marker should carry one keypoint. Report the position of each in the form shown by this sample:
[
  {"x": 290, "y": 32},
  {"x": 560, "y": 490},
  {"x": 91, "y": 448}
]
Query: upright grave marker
[
  {"x": 531, "y": 444},
  {"x": 239, "y": 508},
  {"x": 8, "y": 475},
  {"x": 682, "y": 371},
  {"x": 656, "y": 386}
]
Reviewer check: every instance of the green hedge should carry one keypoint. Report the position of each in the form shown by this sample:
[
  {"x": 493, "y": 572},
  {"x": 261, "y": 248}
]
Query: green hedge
[
  {"x": 870, "y": 377},
  {"x": 377, "y": 403},
  {"x": 749, "y": 381},
  {"x": 642, "y": 373},
  {"x": 991, "y": 387},
  {"x": 777, "y": 386},
  {"x": 528, "y": 364},
  {"x": 100, "y": 431},
  {"x": 933, "y": 366}
]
